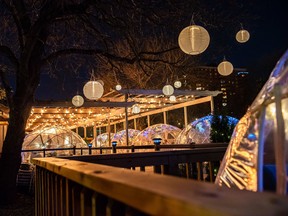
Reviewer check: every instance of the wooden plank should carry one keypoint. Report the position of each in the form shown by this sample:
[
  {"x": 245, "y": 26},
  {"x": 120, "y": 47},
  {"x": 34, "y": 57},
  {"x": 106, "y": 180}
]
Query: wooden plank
[
  {"x": 63, "y": 104},
  {"x": 176, "y": 92},
  {"x": 158, "y": 194}
]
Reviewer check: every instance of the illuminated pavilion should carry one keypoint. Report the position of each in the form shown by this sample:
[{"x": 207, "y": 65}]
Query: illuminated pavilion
[{"x": 113, "y": 111}]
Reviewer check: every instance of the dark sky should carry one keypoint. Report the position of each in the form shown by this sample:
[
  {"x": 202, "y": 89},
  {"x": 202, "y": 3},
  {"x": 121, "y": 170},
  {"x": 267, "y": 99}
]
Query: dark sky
[
  {"x": 269, "y": 36},
  {"x": 268, "y": 41}
]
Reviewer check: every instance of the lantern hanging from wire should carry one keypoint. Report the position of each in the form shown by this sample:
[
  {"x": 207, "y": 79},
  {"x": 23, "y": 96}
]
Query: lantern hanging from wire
[
  {"x": 225, "y": 68},
  {"x": 135, "y": 109},
  {"x": 77, "y": 100},
  {"x": 172, "y": 98},
  {"x": 93, "y": 90},
  {"x": 243, "y": 35},
  {"x": 193, "y": 40},
  {"x": 177, "y": 84},
  {"x": 168, "y": 90},
  {"x": 118, "y": 87}
]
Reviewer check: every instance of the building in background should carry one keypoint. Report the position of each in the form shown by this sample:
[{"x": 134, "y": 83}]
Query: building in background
[{"x": 235, "y": 97}]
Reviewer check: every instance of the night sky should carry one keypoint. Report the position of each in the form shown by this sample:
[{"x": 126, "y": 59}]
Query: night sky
[{"x": 268, "y": 41}]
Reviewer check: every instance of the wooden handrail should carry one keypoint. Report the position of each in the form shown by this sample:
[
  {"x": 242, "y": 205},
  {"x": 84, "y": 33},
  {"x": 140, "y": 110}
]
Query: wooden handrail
[
  {"x": 62, "y": 182},
  {"x": 127, "y": 160}
]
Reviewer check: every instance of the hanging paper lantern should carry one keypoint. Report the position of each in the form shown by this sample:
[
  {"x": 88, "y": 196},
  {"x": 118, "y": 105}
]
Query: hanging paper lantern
[
  {"x": 93, "y": 90},
  {"x": 225, "y": 68},
  {"x": 135, "y": 109},
  {"x": 242, "y": 36},
  {"x": 193, "y": 40},
  {"x": 168, "y": 90},
  {"x": 177, "y": 84},
  {"x": 172, "y": 98},
  {"x": 77, "y": 100},
  {"x": 118, "y": 87}
]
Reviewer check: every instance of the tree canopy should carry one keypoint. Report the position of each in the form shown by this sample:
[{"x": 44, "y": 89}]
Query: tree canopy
[{"x": 127, "y": 41}]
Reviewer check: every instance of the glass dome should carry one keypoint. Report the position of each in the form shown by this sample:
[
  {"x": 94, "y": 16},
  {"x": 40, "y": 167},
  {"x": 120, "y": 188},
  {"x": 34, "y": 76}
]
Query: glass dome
[
  {"x": 199, "y": 130},
  {"x": 120, "y": 137},
  {"x": 102, "y": 140},
  {"x": 51, "y": 138},
  {"x": 256, "y": 158},
  {"x": 168, "y": 133}
]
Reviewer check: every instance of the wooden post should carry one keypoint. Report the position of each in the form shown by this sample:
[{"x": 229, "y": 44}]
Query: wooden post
[{"x": 126, "y": 120}]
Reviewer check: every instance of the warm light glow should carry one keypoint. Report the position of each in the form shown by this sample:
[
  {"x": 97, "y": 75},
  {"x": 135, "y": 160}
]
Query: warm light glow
[
  {"x": 225, "y": 68},
  {"x": 242, "y": 36},
  {"x": 118, "y": 87},
  {"x": 177, "y": 84},
  {"x": 172, "y": 98},
  {"x": 168, "y": 90},
  {"x": 193, "y": 40},
  {"x": 77, "y": 100},
  {"x": 135, "y": 109},
  {"x": 93, "y": 90}
]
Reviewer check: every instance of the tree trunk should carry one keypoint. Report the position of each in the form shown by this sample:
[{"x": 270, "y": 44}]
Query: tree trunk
[{"x": 11, "y": 153}]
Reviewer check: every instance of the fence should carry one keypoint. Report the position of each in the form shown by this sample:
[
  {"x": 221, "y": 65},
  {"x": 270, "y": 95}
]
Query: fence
[{"x": 76, "y": 187}]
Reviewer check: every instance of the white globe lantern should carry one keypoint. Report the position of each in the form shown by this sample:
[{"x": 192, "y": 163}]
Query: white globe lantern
[
  {"x": 172, "y": 98},
  {"x": 168, "y": 90},
  {"x": 135, "y": 109},
  {"x": 225, "y": 68},
  {"x": 242, "y": 36},
  {"x": 77, "y": 100},
  {"x": 118, "y": 87},
  {"x": 193, "y": 40},
  {"x": 177, "y": 84},
  {"x": 93, "y": 90}
]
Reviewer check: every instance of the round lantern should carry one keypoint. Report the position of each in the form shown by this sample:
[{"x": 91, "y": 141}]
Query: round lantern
[
  {"x": 172, "y": 98},
  {"x": 168, "y": 90},
  {"x": 77, "y": 100},
  {"x": 193, "y": 40},
  {"x": 135, "y": 109},
  {"x": 225, "y": 68},
  {"x": 177, "y": 84},
  {"x": 93, "y": 90},
  {"x": 118, "y": 87},
  {"x": 242, "y": 36}
]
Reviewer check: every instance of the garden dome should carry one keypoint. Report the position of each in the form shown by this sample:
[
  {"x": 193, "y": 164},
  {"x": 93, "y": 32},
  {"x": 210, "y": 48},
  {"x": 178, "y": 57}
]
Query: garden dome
[
  {"x": 168, "y": 133},
  {"x": 102, "y": 140},
  {"x": 120, "y": 137},
  {"x": 256, "y": 158},
  {"x": 199, "y": 130},
  {"x": 52, "y": 138}
]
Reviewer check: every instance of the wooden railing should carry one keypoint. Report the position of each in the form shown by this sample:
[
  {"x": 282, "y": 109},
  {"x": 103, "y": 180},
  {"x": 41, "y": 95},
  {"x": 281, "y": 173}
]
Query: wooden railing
[
  {"x": 198, "y": 163},
  {"x": 73, "y": 187},
  {"x": 116, "y": 149}
]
